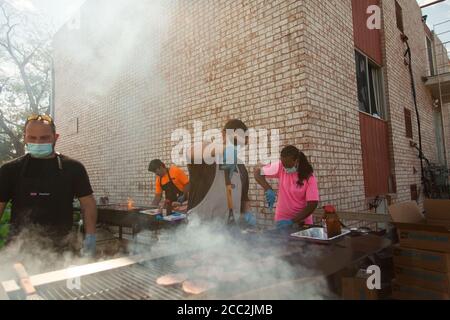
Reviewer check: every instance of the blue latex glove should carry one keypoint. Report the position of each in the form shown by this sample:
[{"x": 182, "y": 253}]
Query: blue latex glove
[
  {"x": 90, "y": 245},
  {"x": 271, "y": 197},
  {"x": 159, "y": 217},
  {"x": 177, "y": 214},
  {"x": 250, "y": 219},
  {"x": 284, "y": 224}
]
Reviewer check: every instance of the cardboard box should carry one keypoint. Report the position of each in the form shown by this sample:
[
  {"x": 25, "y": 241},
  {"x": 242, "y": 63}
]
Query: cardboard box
[
  {"x": 420, "y": 259},
  {"x": 401, "y": 291},
  {"x": 355, "y": 288},
  {"x": 423, "y": 278},
  {"x": 429, "y": 232},
  {"x": 437, "y": 212}
]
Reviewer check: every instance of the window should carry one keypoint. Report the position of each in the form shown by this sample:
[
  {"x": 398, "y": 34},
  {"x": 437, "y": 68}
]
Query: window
[
  {"x": 399, "y": 15},
  {"x": 408, "y": 124},
  {"x": 430, "y": 57},
  {"x": 370, "y": 86}
]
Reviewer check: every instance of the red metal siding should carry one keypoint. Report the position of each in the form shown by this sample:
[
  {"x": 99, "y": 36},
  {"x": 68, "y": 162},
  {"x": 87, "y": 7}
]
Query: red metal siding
[
  {"x": 428, "y": 31},
  {"x": 375, "y": 149},
  {"x": 366, "y": 40}
]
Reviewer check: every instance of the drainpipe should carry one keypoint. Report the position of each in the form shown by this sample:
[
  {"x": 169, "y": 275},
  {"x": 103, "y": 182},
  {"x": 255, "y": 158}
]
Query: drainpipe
[
  {"x": 408, "y": 55},
  {"x": 441, "y": 104}
]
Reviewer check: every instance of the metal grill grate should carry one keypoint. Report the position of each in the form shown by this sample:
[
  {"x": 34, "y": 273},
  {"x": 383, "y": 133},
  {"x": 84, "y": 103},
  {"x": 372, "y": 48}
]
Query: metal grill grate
[
  {"x": 138, "y": 282},
  {"x": 129, "y": 283}
]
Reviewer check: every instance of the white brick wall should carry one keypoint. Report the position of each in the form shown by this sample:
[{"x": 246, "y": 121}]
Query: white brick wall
[
  {"x": 400, "y": 96},
  {"x": 282, "y": 64}
]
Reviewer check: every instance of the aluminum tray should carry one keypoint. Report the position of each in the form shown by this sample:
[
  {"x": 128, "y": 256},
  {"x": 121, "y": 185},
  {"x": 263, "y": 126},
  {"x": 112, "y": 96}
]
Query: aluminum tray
[
  {"x": 318, "y": 235},
  {"x": 151, "y": 212}
]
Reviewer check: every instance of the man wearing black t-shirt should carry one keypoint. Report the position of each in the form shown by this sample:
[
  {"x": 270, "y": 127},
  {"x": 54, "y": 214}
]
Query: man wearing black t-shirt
[{"x": 42, "y": 186}]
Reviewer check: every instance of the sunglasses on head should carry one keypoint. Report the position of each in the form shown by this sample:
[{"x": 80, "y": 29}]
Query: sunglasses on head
[{"x": 40, "y": 117}]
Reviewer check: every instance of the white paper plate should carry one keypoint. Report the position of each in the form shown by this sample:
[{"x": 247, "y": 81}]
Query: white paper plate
[{"x": 152, "y": 212}]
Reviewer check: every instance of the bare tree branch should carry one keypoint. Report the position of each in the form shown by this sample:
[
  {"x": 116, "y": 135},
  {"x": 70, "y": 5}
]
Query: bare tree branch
[
  {"x": 14, "y": 138},
  {"x": 21, "y": 64},
  {"x": 43, "y": 88},
  {"x": 8, "y": 46},
  {"x": 28, "y": 50},
  {"x": 3, "y": 84}
]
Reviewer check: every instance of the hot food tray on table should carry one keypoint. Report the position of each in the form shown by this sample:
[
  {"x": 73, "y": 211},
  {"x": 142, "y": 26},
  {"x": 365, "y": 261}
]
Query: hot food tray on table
[{"x": 318, "y": 235}]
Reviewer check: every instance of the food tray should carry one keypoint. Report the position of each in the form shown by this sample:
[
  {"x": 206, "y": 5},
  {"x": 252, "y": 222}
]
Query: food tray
[
  {"x": 318, "y": 235},
  {"x": 151, "y": 212}
]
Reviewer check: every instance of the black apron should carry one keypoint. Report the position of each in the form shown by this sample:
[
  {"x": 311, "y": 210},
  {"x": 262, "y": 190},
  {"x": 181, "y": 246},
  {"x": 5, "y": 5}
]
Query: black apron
[
  {"x": 45, "y": 205},
  {"x": 170, "y": 189}
]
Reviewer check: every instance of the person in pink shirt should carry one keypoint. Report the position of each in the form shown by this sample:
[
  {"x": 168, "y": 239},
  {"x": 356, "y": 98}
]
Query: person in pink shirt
[{"x": 298, "y": 195}]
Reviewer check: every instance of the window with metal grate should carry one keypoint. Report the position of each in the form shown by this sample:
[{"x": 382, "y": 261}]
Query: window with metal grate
[
  {"x": 408, "y": 124},
  {"x": 399, "y": 15},
  {"x": 414, "y": 192}
]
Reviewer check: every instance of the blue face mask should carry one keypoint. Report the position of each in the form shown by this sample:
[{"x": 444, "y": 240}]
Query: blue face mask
[
  {"x": 230, "y": 159},
  {"x": 230, "y": 155},
  {"x": 291, "y": 170},
  {"x": 40, "y": 150}
]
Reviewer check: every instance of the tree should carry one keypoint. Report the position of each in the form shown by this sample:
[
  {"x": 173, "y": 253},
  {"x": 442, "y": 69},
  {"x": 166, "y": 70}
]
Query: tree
[{"x": 25, "y": 74}]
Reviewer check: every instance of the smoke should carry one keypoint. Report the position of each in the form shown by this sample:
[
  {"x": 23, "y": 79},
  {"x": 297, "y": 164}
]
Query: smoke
[
  {"x": 39, "y": 254},
  {"x": 109, "y": 75},
  {"x": 270, "y": 268},
  {"x": 124, "y": 40},
  {"x": 267, "y": 267}
]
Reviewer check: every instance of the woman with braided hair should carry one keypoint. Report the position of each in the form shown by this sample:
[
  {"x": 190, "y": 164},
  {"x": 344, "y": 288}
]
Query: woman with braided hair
[{"x": 298, "y": 195}]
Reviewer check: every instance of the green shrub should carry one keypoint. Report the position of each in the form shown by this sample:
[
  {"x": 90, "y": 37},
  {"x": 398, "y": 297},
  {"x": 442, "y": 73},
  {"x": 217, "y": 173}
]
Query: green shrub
[
  {"x": 76, "y": 216},
  {"x": 4, "y": 230},
  {"x": 4, "y": 226},
  {"x": 6, "y": 217}
]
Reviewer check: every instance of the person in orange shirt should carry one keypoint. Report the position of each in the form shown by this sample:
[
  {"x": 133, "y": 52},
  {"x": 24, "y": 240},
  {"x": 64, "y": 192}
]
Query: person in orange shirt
[{"x": 173, "y": 181}]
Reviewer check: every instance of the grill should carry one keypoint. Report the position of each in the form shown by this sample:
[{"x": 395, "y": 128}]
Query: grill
[
  {"x": 130, "y": 283},
  {"x": 122, "y": 217},
  {"x": 137, "y": 281}
]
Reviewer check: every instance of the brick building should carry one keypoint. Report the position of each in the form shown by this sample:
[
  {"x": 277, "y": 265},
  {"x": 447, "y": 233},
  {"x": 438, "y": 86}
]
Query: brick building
[{"x": 128, "y": 75}]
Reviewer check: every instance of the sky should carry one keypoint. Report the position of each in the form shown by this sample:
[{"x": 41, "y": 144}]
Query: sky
[
  {"x": 438, "y": 14},
  {"x": 58, "y": 11}
]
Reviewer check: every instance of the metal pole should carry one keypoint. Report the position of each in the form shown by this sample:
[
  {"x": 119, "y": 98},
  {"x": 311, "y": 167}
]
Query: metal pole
[{"x": 441, "y": 101}]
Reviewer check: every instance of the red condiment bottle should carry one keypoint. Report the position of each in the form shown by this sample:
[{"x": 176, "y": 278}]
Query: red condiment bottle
[{"x": 331, "y": 222}]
